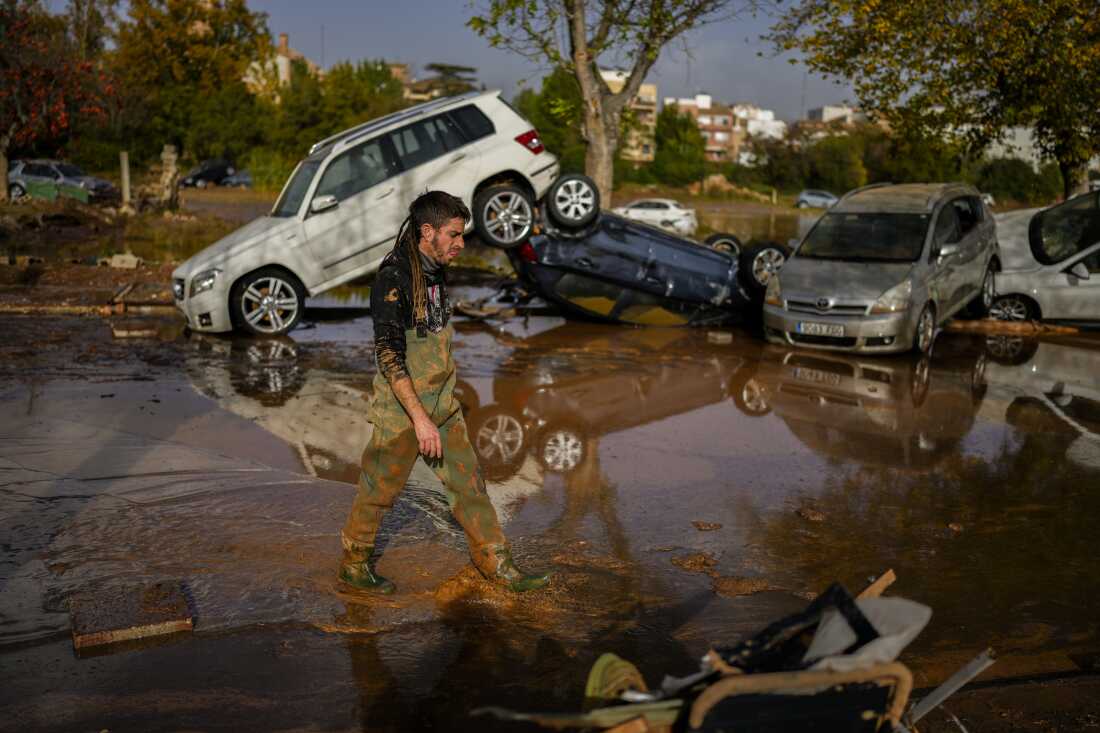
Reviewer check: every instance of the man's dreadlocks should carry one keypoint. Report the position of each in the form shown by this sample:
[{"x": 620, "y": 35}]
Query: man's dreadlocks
[{"x": 435, "y": 208}]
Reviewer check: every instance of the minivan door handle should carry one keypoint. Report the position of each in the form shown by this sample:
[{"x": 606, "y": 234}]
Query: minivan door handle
[
  {"x": 384, "y": 194},
  {"x": 458, "y": 157}
]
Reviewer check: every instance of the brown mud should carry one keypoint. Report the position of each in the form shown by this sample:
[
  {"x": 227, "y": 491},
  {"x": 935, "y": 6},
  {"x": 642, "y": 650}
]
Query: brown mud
[{"x": 229, "y": 464}]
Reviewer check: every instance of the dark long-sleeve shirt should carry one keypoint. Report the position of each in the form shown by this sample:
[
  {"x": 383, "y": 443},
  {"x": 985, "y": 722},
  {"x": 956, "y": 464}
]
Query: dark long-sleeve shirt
[{"x": 391, "y": 305}]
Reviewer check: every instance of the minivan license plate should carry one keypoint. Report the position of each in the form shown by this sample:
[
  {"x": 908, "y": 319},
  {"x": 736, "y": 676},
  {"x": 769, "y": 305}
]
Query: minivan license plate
[{"x": 821, "y": 329}]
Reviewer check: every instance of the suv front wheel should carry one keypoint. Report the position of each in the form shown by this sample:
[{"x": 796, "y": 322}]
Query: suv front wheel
[
  {"x": 504, "y": 216},
  {"x": 267, "y": 302}
]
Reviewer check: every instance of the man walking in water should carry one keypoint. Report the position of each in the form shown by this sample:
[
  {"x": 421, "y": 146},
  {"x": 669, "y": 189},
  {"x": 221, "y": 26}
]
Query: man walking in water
[{"x": 414, "y": 409}]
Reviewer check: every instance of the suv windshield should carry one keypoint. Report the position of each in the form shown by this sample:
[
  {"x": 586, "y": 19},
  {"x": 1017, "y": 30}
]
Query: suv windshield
[
  {"x": 866, "y": 238},
  {"x": 1061, "y": 232},
  {"x": 295, "y": 191}
]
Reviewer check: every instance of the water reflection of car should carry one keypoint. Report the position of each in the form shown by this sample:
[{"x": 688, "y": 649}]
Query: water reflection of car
[
  {"x": 562, "y": 389},
  {"x": 906, "y": 411},
  {"x": 1057, "y": 396},
  {"x": 664, "y": 213},
  {"x": 884, "y": 268},
  {"x": 1051, "y": 262}
]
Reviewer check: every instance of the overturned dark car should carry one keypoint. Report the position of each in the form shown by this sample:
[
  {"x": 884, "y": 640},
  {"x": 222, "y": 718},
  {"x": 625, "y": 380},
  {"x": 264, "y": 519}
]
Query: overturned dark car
[{"x": 601, "y": 266}]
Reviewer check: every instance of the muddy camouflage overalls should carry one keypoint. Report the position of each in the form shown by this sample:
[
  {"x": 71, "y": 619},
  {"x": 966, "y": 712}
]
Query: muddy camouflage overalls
[
  {"x": 389, "y": 456},
  {"x": 393, "y": 449}
]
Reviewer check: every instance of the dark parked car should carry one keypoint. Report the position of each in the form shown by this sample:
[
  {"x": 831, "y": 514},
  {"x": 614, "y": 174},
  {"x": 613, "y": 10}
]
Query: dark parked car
[
  {"x": 610, "y": 268},
  {"x": 208, "y": 173},
  {"x": 240, "y": 179}
]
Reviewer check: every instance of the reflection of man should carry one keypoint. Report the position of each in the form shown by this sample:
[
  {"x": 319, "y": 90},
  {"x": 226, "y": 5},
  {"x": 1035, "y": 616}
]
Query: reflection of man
[{"x": 414, "y": 409}]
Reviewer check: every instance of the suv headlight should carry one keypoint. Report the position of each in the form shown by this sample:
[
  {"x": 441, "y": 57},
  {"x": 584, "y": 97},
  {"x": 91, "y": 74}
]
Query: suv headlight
[
  {"x": 894, "y": 300},
  {"x": 204, "y": 281},
  {"x": 773, "y": 295}
]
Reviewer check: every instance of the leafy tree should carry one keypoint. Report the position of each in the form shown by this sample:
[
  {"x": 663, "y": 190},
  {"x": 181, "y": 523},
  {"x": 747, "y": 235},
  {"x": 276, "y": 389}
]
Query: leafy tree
[
  {"x": 681, "y": 152},
  {"x": 355, "y": 93},
  {"x": 91, "y": 24},
  {"x": 174, "y": 55},
  {"x": 967, "y": 68},
  {"x": 299, "y": 120},
  {"x": 225, "y": 124},
  {"x": 451, "y": 79},
  {"x": 580, "y": 34},
  {"x": 44, "y": 87},
  {"x": 555, "y": 111},
  {"x": 836, "y": 163}
]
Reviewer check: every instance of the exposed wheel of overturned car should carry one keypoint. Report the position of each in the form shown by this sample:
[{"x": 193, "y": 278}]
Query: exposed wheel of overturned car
[
  {"x": 504, "y": 215},
  {"x": 267, "y": 302},
  {"x": 758, "y": 263},
  {"x": 724, "y": 243},
  {"x": 573, "y": 201}
]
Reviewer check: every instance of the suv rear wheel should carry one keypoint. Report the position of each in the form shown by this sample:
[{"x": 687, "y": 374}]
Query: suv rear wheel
[
  {"x": 504, "y": 215},
  {"x": 267, "y": 302}
]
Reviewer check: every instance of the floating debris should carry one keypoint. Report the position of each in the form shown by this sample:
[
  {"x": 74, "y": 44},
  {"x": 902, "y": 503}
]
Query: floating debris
[{"x": 132, "y": 614}]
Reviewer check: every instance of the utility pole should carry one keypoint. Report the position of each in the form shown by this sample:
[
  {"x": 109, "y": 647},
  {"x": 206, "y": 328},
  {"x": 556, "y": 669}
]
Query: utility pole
[{"x": 322, "y": 47}]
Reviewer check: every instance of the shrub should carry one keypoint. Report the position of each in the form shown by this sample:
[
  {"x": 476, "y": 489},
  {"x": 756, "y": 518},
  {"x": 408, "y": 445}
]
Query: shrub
[{"x": 269, "y": 169}]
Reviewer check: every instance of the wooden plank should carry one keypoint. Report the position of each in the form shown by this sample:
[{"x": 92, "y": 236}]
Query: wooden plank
[{"x": 136, "y": 613}]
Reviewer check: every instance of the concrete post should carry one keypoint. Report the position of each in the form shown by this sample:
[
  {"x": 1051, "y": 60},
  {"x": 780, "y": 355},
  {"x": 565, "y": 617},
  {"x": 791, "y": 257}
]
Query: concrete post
[{"x": 124, "y": 163}]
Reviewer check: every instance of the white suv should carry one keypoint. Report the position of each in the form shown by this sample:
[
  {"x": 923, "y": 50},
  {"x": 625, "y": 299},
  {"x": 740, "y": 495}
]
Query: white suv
[{"x": 339, "y": 212}]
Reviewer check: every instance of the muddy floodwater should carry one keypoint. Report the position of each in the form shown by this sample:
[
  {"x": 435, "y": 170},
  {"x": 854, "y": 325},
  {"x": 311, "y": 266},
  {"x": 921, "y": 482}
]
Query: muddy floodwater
[{"x": 686, "y": 488}]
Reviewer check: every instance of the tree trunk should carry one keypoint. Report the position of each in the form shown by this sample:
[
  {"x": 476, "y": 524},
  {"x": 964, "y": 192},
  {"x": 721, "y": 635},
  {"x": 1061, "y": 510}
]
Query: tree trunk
[
  {"x": 1075, "y": 178},
  {"x": 3, "y": 171},
  {"x": 599, "y": 160}
]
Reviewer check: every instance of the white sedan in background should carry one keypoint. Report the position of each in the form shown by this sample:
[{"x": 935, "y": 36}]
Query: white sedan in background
[
  {"x": 664, "y": 213},
  {"x": 1050, "y": 263}
]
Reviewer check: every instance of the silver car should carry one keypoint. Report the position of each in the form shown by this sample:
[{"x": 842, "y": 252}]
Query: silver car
[
  {"x": 24, "y": 172},
  {"x": 1051, "y": 262},
  {"x": 884, "y": 268}
]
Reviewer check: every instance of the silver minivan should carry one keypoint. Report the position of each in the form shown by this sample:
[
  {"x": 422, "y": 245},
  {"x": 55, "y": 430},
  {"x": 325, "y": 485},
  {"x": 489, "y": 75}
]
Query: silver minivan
[{"x": 884, "y": 268}]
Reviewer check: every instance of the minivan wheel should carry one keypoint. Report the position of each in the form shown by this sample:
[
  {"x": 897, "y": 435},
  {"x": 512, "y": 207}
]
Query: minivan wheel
[
  {"x": 983, "y": 301},
  {"x": 16, "y": 192},
  {"x": 267, "y": 302},
  {"x": 926, "y": 330},
  {"x": 573, "y": 201},
  {"x": 504, "y": 215}
]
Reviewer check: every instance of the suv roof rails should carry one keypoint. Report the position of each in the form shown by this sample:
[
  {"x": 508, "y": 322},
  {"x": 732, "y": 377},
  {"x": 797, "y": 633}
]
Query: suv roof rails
[
  {"x": 403, "y": 114},
  {"x": 868, "y": 187}
]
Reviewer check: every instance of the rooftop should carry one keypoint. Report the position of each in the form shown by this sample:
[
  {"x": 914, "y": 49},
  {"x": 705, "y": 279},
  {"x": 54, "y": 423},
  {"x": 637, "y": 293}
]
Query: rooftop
[{"x": 904, "y": 198}]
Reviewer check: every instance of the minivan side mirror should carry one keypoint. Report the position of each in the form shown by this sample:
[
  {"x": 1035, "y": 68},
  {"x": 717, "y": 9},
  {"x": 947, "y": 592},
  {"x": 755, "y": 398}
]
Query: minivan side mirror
[
  {"x": 947, "y": 250},
  {"x": 323, "y": 203},
  {"x": 1079, "y": 271}
]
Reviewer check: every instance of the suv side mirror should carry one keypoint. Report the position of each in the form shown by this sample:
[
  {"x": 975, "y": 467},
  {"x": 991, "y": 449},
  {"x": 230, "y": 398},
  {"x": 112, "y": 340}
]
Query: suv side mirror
[
  {"x": 1079, "y": 271},
  {"x": 323, "y": 203}
]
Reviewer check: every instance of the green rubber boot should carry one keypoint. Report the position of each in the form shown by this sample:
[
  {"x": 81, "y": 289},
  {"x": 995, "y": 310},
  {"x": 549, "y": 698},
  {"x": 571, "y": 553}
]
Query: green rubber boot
[
  {"x": 356, "y": 571},
  {"x": 512, "y": 578}
]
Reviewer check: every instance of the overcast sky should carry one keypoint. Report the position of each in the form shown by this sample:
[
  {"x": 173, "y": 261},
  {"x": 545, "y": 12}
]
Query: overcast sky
[{"x": 723, "y": 61}]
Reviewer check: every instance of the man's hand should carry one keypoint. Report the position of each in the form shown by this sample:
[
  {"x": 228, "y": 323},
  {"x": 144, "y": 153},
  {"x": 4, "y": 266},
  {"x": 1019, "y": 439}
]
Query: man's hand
[{"x": 427, "y": 436}]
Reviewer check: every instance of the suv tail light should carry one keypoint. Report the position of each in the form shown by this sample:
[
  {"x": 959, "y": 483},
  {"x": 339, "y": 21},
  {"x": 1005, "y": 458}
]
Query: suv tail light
[
  {"x": 527, "y": 252},
  {"x": 531, "y": 141}
]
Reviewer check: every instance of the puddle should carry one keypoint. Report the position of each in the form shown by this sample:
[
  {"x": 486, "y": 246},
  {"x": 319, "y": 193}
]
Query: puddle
[{"x": 684, "y": 492}]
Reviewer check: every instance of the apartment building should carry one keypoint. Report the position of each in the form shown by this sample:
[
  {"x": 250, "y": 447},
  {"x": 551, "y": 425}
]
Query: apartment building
[
  {"x": 841, "y": 113},
  {"x": 640, "y": 145},
  {"x": 722, "y": 137}
]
